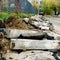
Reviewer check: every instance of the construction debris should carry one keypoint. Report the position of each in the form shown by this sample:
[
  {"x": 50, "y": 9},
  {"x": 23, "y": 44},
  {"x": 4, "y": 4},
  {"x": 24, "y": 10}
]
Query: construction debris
[
  {"x": 35, "y": 44},
  {"x": 30, "y": 55},
  {"x": 35, "y": 32}
]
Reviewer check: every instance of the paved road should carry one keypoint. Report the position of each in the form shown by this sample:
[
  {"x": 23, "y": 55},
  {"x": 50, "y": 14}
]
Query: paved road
[
  {"x": 55, "y": 21},
  {"x": 56, "y": 24}
]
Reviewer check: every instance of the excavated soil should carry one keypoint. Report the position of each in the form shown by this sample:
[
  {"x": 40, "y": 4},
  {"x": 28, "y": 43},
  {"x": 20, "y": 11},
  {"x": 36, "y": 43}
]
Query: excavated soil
[
  {"x": 17, "y": 23},
  {"x": 4, "y": 44}
]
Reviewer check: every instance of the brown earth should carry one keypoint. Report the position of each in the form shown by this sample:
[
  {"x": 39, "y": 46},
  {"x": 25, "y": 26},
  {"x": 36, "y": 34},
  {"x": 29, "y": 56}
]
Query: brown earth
[
  {"x": 4, "y": 44},
  {"x": 17, "y": 23}
]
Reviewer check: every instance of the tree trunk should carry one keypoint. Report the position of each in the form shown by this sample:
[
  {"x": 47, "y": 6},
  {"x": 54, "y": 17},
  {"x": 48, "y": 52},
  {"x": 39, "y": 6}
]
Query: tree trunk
[
  {"x": 9, "y": 2},
  {"x": 1, "y": 5},
  {"x": 17, "y": 6}
]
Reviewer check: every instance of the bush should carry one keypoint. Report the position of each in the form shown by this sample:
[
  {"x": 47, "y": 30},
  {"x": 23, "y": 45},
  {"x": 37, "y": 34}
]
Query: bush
[{"x": 49, "y": 5}]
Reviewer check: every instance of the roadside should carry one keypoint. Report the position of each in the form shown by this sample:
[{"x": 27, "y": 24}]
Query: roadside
[{"x": 56, "y": 23}]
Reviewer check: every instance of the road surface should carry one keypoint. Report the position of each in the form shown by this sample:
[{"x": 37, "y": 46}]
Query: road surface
[{"x": 56, "y": 24}]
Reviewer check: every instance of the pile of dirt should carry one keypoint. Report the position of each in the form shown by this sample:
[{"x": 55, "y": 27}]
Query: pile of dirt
[
  {"x": 17, "y": 23},
  {"x": 4, "y": 44}
]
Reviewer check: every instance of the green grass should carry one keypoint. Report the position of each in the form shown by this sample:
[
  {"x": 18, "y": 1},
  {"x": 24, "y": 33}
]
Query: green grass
[
  {"x": 5, "y": 15},
  {"x": 23, "y": 15}
]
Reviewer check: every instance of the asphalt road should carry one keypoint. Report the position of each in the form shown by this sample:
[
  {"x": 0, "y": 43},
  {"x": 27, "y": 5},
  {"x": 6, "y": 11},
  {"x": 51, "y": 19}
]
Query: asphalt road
[{"x": 56, "y": 24}]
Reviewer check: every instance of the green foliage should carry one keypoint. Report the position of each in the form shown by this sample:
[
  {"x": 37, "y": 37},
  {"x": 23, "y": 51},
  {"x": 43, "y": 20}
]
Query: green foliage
[
  {"x": 3, "y": 15},
  {"x": 23, "y": 15},
  {"x": 58, "y": 6},
  {"x": 5, "y": 9},
  {"x": 35, "y": 4},
  {"x": 48, "y": 6}
]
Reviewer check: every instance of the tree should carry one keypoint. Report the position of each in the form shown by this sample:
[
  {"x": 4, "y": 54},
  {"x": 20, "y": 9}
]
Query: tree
[
  {"x": 17, "y": 6},
  {"x": 34, "y": 3},
  {"x": 1, "y": 5},
  {"x": 49, "y": 6},
  {"x": 9, "y": 2},
  {"x": 58, "y": 6}
]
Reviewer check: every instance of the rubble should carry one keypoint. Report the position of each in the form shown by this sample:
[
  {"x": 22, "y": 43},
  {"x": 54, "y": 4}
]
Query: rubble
[
  {"x": 35, "y": 32},
  {"x": 30, "y": 55},
  {"x": 56, "y": 36},
  {"x": 15, "y": 33},
  {"x": 36, "y": 55},
  {"x": 35, "y": 44},
  {"x": 41, "y": 22}
]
